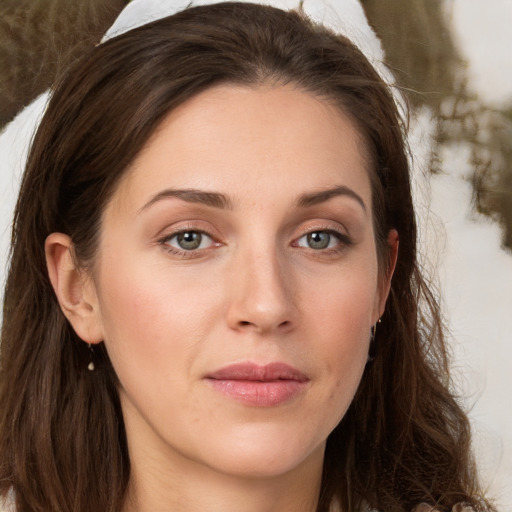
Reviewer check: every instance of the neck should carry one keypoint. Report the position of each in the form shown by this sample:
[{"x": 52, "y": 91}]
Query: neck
[{"x": 157, "y": 487}]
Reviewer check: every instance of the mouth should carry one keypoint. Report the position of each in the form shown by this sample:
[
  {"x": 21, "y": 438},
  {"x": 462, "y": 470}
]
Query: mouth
[{"x": 267, "y": 385}]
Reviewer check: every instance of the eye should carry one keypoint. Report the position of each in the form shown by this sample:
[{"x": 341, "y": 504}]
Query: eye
[
  {"x": 319, "y": 240},
  {"x": 189, "y": 240}
]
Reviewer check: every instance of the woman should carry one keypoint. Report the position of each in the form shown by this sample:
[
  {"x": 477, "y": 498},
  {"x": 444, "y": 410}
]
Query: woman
[{"x": 213, "y": 301}]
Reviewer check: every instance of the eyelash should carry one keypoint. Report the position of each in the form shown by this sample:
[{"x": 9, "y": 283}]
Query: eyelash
[
  {"x": 344, "y": 241},
  {"x": 192, "y": 253}
]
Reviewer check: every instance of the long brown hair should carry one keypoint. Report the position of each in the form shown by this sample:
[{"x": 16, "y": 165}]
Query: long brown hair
[{"x": 404, "y": 439}]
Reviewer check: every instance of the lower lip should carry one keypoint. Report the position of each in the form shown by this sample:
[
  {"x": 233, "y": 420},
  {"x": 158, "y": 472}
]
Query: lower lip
[{"x": 257, "y": 393}]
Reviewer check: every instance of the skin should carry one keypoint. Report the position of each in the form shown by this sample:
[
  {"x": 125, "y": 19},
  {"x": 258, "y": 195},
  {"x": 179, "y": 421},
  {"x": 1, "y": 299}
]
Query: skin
[{"x": 257, "y": 289}]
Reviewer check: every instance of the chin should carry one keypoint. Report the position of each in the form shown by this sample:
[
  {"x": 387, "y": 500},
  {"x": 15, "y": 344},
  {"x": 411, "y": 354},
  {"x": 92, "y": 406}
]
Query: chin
[{"x": 265, "y": 453}]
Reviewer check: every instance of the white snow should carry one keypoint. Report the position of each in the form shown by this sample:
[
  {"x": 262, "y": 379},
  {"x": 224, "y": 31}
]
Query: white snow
[
  {"x": 484, "y": 37},
  {"x": 475, "y": 279},
  {"x": 475, "y": 275}
]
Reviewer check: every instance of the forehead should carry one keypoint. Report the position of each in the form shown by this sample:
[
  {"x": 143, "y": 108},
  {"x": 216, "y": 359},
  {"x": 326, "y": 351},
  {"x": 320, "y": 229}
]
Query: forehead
[{"x": 244, "y": 140}]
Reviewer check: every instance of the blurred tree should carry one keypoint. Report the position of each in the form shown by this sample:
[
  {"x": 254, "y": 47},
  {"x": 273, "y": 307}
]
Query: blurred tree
[
  {"x": 40, "y": 37},
  {"x": 421, "y": 53},
  {"x": 419, "y": 48}
]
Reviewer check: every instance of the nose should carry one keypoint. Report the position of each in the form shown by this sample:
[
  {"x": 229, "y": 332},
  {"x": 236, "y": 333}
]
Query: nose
[{"x": 262, "y": 294}]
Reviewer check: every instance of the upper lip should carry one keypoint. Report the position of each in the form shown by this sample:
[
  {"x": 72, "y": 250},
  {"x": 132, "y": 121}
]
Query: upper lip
[{"x": 258, "y": 373}]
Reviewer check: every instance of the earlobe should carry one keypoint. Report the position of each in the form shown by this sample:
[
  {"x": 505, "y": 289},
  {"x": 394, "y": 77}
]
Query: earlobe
[{"x": 75, "y": 291}]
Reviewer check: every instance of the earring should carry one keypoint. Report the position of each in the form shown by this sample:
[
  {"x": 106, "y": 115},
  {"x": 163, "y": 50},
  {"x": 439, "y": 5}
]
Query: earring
[
  {"x": 90, "y": 366},
  {"x": 372, "y": 352}
]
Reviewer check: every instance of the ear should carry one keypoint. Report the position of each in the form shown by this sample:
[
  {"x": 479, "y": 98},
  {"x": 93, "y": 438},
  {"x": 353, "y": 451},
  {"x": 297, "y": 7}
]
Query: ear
[
  {"x": 385, "y": 280},
  {"x": 75, "y": 291}
]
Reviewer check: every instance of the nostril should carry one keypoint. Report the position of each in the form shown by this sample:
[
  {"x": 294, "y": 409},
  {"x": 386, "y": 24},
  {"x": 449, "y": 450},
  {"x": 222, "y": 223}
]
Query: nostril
[{"x": 246, "y": 323}]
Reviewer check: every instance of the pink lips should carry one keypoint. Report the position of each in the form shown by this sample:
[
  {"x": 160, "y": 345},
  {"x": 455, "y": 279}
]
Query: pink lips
[{"x": 264, "y": 386}]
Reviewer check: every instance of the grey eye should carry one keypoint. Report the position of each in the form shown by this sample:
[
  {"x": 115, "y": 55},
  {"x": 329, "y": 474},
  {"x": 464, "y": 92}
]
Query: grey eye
[
  {"x": 190, "y": 240},
  {"x": 318, "y": 239},
  {"x": 323, "y": 239}
]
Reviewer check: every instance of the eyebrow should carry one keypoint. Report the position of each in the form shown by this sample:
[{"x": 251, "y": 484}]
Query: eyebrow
[
  {"x": 312, "y": 199},
  {"x": 190, "y": 195},
  {"x": 221, "y": 201}
]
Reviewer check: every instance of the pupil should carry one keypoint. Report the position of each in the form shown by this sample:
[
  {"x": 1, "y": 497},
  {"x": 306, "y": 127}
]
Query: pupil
[
  {"x": 319, "y": 240},
  {"x": 189, "y": 240}
]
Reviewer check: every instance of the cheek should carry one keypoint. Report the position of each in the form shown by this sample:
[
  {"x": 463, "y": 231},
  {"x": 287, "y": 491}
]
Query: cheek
[
  {"x": 343, "y": 307},
  {"x": 156, "y": 317},
  {"x": 339, "y": 324},
  {"x": 142, "y": 312}
]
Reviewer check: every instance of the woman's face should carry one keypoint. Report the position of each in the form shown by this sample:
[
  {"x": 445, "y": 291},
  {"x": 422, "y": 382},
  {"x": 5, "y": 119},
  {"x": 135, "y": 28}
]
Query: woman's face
[{"x": 237, "y": 281}]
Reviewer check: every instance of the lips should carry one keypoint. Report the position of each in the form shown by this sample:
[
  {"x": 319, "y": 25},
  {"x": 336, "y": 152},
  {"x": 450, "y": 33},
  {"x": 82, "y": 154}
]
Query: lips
[{"x": 259, "y": 385}]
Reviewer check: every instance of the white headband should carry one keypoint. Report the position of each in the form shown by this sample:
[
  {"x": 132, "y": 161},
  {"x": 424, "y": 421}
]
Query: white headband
[{"x": 343, "y": 16}]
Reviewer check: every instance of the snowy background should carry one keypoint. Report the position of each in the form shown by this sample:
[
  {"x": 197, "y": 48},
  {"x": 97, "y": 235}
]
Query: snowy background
[{"x": 475, "y": 275}]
